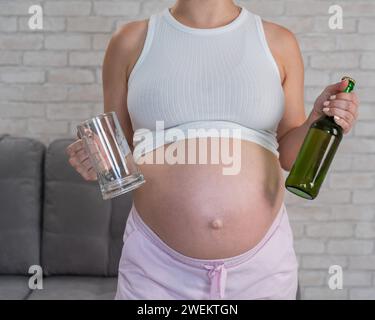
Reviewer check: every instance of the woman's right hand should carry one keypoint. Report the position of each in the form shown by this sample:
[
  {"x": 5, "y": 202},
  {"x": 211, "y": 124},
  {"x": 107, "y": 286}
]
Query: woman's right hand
[{"x": 79, "y": 160}]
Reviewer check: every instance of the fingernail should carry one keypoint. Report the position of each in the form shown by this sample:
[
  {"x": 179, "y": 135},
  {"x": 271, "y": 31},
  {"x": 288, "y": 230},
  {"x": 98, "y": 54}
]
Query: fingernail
[
  {"x": 326, "y": 103},
  {"x": 325, "y": 109},
  {"x": 336, "y": 118},
  {"x": 333, "y": 97}
]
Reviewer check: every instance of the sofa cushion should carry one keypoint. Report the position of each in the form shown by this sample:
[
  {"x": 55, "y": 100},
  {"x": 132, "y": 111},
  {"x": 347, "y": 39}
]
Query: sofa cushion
[
  {"x": 76, "y": 288},
  {"x": 21, "y": 164},
  {"x": 14, "y": 287},
  {"x": 82, "y": 233}
]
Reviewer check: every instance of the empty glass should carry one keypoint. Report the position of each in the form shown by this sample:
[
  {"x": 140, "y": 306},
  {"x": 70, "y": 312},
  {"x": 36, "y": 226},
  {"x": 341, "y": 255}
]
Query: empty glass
[{"x": 110, "y": 155}]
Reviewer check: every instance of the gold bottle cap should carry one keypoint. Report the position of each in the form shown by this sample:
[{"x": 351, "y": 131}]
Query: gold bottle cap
[{"x": 349, "y": 78}]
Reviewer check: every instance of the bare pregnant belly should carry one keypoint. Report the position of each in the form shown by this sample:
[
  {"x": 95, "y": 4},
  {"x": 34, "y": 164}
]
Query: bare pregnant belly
[{"x": 203, "y": 213}]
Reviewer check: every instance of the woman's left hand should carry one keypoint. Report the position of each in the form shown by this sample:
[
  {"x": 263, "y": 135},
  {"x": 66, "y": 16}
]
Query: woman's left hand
[{"x": 341, "y": 105}]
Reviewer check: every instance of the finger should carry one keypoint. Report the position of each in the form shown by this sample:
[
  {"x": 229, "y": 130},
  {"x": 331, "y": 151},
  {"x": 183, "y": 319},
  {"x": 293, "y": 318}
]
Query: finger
[
  {"x": 335, "y": 88},
  {"x": 342, "y": 122},
  {"x": 341, "y": 104},
  {"x": 79, "y": 166},
  {"x": 81, "y": 155},
  {"x": 86, "y": 163},
  {"x": 80, "y": 170},
  {"x": 89, "y": 175},
  {"x": 84, "y": 172},
  {"x": 355, "y": 98},
  {"x": 346, "y": 96},
  {"x": 343, "y": 96},
  {"x": 74, "y": 162},
  {"x": 343, "y": 114},
  {"x": 92, "y": 174},
  {"x": 346, "y": 126},
  {"x": 352, "y": 96},
  {"x": 344, "y": 105},
  {"x": 74, "y": 147},
  {"x": 86, "y": 176}
]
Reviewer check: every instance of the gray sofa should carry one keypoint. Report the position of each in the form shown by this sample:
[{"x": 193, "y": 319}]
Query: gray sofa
[{"x": 51, "y": 217}]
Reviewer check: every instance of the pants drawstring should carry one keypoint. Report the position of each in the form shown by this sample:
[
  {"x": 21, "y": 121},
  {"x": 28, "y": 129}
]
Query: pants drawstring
[{"x": 218, "y": 277}]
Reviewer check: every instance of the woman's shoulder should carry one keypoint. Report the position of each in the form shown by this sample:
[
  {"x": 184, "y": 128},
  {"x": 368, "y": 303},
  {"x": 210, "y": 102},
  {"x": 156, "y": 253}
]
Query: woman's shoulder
[
  {"x": 130, "y": 35},
  {"x": 279, "y": 34},
  {"x": 283, "y": 44},
  {"x": 125, "y": 46}
]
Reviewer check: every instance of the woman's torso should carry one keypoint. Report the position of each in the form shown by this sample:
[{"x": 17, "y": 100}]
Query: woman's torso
[{"x": 183, "y": 76}]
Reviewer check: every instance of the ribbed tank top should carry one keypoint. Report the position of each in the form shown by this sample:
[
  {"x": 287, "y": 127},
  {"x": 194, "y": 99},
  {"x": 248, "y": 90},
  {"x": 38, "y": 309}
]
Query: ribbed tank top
[{"x": 217, "y": 78}]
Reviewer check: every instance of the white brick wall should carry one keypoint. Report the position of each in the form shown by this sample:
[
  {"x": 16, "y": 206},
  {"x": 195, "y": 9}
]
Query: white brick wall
[{"x": 50, "y": 80}]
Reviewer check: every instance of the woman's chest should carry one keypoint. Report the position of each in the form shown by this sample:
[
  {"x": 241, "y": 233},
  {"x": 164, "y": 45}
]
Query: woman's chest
[{"x": 198, "y": 88}]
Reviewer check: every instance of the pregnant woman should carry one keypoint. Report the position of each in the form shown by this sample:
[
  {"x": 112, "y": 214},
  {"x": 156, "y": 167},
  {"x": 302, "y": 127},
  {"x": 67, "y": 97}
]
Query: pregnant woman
[{"x": 196, "y": 231}]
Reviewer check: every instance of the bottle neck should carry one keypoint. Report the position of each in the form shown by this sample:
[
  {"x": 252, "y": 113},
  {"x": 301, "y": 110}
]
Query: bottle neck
[{"x": 330, "y": 119}]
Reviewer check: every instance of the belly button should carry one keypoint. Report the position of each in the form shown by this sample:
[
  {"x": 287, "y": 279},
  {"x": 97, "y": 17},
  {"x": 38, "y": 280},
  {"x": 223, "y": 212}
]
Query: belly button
[{"x": 217, "y": 224}]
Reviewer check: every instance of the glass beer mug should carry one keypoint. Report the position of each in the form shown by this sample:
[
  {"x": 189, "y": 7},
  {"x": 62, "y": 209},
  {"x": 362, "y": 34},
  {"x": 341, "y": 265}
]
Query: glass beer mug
[{"x": 110, "y": 155}]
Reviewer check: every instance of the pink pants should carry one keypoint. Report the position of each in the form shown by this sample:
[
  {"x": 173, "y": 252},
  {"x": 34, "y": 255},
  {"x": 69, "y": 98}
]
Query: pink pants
[{"x": 150, "y": 269}]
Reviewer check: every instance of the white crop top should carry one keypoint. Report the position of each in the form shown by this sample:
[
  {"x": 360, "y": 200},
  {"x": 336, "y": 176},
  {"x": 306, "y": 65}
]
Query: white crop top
[{"x": 221, "y": 78}]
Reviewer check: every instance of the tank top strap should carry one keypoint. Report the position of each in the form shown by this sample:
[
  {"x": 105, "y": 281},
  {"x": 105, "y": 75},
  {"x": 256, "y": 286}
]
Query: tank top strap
[{"x": 151, "y": 30}]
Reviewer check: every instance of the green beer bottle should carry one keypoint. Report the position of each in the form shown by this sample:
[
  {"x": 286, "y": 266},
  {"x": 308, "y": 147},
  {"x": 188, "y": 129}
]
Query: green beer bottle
[{"x": 316, "y": 154}]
